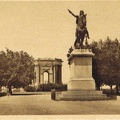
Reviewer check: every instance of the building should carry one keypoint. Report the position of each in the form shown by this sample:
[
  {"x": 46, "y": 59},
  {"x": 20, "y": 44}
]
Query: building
[{"x": 48, "y": 70}]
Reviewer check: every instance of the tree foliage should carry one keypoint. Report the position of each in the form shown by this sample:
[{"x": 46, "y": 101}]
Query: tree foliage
[
  {"x": 16, "y": 68},
  {"x": 106, "y": 63}
]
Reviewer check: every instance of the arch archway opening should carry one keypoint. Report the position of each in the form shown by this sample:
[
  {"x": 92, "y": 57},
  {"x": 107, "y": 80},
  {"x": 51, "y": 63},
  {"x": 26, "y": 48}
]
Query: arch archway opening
[{"x": 46, "y": 77}]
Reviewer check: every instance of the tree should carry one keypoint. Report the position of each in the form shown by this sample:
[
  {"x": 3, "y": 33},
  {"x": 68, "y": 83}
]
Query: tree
[
  {"x": 3, "y": 68},
  {"x": 18, "y": 70},
  {"x": 106, "y": 62}
]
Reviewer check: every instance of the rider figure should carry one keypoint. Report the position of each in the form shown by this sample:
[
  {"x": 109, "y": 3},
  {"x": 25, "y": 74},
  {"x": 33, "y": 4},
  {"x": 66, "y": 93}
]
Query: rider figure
[{"x": 80, "y": 23}]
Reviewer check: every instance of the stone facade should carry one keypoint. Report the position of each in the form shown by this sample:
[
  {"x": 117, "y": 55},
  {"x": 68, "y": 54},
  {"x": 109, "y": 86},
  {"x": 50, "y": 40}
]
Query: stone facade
[{"x": 51, "y": 66}]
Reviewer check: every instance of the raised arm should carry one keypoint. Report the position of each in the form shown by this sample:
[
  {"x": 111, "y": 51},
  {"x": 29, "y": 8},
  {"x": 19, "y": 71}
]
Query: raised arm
[{"x": 72, "y": 13}]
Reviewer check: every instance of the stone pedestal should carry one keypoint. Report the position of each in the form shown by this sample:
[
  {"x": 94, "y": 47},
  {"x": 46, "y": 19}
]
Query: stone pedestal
[
  {"x": 81, "y": 70},
  {"x": 81, "y": 85}
]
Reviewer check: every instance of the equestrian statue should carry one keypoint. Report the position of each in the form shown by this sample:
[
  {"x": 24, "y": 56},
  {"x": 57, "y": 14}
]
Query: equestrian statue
[{"x": 81, "y": 29}]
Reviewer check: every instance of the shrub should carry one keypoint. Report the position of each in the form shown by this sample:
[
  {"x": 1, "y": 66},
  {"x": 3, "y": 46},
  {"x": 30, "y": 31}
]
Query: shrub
[
  {"x": 49, "y": 86},
  {"x": 30, "y": 89},
  {"x": 45, "y": 87},
  {"x": 109, "y": 92},
  {"x": 64, "y": 87},
  {"x": 2, "y": 94},
  {"x": 57, "y": 86},
  {"x": 39, "y": 88}
]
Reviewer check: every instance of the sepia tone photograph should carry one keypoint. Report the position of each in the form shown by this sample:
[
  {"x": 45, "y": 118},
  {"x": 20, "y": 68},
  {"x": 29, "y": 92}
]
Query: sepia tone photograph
[{"x": 60, "y": 60}]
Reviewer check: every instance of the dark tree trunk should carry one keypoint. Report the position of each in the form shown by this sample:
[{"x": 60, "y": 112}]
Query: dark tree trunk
[
  {"x": 117, "y": 91},
  {"x": 111, "y": 88},
  {"x": 10, "y": 90}
]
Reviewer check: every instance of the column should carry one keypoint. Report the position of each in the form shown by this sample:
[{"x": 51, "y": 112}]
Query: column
[
  {"x": 60, "y": 74},
  {"x": 37, "y": 74},
  {"x": 54, "y": 70},
  {"x": 57, "y": 74},
  {"x": 42, "y": 78},
  {"x": 51, "y": 75}
]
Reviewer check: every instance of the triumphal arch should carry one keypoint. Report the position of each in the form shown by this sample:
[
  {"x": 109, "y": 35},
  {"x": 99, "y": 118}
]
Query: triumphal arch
[{"x": 48, "y": 70}]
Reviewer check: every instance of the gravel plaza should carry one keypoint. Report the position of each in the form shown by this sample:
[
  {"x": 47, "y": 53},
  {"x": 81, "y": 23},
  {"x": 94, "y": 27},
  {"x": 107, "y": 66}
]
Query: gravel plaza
[{"x": 43, "y": 105}]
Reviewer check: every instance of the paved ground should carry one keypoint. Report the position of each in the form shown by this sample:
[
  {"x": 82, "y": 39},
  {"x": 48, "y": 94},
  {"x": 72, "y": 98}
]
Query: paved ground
[{"x": 43, "y": 105}]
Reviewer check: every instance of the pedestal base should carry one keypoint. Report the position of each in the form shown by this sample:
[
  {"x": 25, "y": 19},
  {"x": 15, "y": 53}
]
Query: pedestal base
[{"x": 82, "y": 95}]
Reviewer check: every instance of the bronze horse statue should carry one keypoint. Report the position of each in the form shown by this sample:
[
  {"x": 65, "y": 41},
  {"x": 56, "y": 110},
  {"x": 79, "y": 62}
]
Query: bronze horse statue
[
  {"x": 81, "y": 29},
  {"x": 80, "y": 36}
]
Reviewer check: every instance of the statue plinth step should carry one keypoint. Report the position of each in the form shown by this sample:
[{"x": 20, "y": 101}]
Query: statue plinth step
[{"x": 83, "y": 95}]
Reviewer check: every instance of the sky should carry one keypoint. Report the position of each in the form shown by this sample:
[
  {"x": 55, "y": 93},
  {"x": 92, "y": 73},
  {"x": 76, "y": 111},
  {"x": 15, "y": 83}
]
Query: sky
[{"x": 47, "y": 29}]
